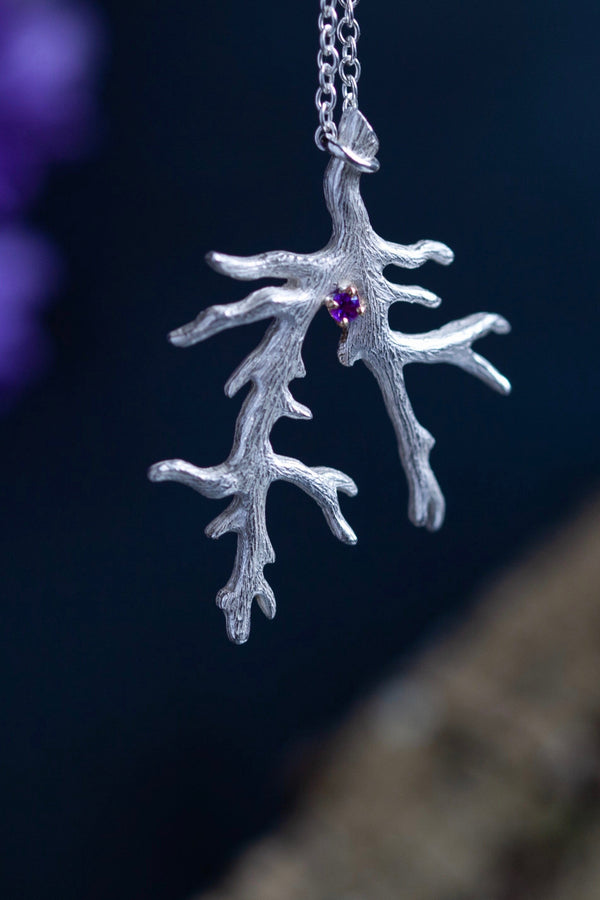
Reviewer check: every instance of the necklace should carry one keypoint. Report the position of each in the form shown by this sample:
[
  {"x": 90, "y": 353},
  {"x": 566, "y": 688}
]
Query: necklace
[{"x": 346, "y": 277}]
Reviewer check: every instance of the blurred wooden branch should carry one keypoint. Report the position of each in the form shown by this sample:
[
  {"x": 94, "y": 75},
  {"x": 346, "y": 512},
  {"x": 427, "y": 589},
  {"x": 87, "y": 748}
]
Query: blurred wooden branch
[{"x": 474, "y": 775}]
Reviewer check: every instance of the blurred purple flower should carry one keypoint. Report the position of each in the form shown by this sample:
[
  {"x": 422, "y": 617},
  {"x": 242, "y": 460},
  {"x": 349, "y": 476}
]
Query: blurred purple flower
[
  {"x": 50, "y": 52},
  {"x": 29, "y": 270}
]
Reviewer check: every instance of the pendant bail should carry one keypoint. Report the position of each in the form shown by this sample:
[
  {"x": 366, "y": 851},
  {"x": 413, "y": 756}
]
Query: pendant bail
[{"x": 362, "y": 163}]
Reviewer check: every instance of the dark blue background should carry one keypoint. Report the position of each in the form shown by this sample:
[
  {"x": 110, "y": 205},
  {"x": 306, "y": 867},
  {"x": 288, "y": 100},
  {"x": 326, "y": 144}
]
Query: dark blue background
[{"x": 140, "y": 749}]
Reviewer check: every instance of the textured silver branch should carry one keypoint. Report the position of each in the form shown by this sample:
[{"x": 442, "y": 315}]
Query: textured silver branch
[
  {"x": 357, "y": 256},
  {"x": 253, "y": 465}
]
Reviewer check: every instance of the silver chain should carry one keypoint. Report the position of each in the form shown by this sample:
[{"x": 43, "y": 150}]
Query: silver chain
[
  {"x": 330, "y": 63},
  {"x": 348, "y": 35}
]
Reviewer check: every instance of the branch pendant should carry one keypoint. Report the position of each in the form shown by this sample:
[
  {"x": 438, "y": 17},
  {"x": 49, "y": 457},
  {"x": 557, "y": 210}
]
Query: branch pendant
[{"x": 346, "y": 277}]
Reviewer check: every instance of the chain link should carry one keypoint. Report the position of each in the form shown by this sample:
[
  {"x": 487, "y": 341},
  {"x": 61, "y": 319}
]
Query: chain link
[
  {"x": 346, "y": 32},
  {"x": 328, "y": 60}
]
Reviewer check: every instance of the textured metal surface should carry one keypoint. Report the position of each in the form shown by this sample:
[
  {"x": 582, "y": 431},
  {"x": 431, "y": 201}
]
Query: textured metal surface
[{"x": 355, "y": 255}]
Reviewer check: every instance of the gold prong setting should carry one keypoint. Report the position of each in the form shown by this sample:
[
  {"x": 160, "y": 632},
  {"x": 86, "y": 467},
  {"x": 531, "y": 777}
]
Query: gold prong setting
[{"x": 344, "y": 304}]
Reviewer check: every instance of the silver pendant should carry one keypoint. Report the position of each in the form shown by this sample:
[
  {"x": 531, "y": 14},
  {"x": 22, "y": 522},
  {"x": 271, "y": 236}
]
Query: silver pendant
[{"x": 346, "y": 276}]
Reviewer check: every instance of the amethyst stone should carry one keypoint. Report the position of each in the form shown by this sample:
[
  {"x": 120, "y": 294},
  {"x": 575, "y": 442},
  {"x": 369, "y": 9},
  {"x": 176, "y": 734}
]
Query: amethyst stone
[{"x": 344, "y": 305}]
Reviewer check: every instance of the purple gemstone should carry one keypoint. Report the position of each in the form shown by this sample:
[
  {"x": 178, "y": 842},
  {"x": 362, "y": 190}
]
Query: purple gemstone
[{"x": 345, "y": 304}]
